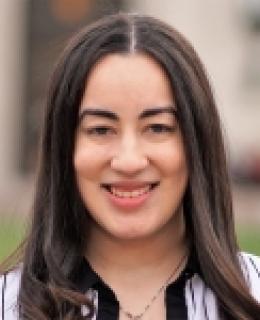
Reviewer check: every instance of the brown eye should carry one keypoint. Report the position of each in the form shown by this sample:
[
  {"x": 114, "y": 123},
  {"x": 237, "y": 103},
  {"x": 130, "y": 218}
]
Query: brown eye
[
  {"x": 160, "y": 128},
  {"x": 99, "y": 131}
]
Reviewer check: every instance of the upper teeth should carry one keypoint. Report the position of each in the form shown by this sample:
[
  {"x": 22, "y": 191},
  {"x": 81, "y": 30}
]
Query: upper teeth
[{"x": 130, "y": 194}]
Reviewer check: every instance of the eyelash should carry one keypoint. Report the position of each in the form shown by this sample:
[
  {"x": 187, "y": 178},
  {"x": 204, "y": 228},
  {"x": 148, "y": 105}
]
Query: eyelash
[
  {"x": 163, "y": 128},
  {"x": 156, "y": 128},
  {"x": 99, "y": 130}
]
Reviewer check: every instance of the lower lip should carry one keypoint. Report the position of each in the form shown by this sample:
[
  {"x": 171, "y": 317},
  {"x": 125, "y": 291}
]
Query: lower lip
[{"x": 129, "y": 203}]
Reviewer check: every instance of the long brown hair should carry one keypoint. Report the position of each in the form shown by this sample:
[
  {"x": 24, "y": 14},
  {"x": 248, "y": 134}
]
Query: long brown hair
[{"x": 55, "y": 245}]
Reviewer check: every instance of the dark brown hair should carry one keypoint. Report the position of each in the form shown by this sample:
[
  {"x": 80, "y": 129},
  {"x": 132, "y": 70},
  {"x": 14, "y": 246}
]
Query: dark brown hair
[{"x": 57, "y": 239}]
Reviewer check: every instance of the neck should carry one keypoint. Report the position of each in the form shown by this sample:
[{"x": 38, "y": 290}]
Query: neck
[{"x": 153, "y": 256}]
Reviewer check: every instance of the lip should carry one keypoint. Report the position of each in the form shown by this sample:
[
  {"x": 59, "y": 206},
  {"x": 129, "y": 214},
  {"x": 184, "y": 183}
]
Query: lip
[{"x": 129, "y": 203}]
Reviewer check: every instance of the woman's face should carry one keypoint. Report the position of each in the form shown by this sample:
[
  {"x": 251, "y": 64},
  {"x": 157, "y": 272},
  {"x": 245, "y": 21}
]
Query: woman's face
[{"x": 129, "y": 157}]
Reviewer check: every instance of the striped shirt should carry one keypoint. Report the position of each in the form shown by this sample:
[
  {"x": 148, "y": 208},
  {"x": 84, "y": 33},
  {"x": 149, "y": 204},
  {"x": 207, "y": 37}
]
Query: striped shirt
[{"x": 199, "y": 300}]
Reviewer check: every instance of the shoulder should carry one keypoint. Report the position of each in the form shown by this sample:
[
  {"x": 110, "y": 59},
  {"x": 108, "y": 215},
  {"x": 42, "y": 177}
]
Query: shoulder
[
  {"x": 250, "y": 265},
  {"x": 9, "y": 289}
]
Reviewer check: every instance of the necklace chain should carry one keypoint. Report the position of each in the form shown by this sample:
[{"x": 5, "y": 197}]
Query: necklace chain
[{"x": 140, "y": 315}]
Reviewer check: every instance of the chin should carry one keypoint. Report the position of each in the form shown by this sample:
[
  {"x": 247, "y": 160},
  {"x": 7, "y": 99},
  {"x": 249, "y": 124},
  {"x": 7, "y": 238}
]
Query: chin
[
  {"x": 133, "y": 233},
  {"x": 130, "y": 237}
]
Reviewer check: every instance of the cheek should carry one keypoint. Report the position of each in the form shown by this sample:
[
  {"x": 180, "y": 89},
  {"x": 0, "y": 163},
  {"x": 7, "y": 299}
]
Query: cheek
[
  {"x": 171, "y": 159},
  {"x": 175, "y": 176},
  {"x": 88, "y": 160}
]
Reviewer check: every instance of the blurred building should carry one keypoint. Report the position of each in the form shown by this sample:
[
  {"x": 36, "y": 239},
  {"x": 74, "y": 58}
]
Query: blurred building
[
  {"x": 32, "y": 35},
  {"x": 226, "y": 34}
]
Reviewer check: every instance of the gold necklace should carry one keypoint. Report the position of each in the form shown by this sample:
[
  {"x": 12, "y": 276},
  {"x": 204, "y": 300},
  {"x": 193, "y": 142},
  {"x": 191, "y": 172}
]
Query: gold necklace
[{"x": 140, "y": 315}]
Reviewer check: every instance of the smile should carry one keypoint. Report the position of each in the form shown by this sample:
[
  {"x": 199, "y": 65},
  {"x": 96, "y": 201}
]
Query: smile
[
  {"x": 129, "y": 195},
  {"x": 129, "y": 191}
]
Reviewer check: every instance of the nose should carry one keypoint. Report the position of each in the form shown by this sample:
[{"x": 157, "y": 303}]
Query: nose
[{"x": 130, "y": 157}]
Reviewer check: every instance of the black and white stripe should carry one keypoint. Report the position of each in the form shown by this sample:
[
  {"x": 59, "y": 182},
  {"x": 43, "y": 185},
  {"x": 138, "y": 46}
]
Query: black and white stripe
[
  {"x": 245, "y": 270},
  {"x": 257, "y": 270},
  {"x": 3, "y": 289},
  {"x": 204, "y": 302},
  {"x": 200, "y": 300}
]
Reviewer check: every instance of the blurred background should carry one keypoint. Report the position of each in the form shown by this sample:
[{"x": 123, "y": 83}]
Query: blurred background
[{"x": 226, "y": 34}]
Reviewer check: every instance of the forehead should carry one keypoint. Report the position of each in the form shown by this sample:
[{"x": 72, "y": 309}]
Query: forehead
[{"x": 127, "y": 82}]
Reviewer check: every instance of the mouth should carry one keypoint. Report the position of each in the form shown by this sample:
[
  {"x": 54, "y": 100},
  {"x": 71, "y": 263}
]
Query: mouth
[{"x": 129, "y": 190}]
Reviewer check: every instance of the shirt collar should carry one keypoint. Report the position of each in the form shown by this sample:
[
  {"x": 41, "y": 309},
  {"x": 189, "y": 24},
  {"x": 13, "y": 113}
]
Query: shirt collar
[{"x": 87, "y": 278}]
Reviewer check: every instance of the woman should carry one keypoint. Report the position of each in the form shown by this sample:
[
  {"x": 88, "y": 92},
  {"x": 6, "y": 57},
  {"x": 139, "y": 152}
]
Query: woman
[{"x": 132, "y": 217}]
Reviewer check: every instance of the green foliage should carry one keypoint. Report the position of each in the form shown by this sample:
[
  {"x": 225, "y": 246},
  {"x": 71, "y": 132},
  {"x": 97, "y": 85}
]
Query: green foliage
[
  {"x": 12, "y": 231},
  {"x": 249, "y": 238}
]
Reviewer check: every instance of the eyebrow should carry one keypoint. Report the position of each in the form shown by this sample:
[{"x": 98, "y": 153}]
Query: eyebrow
[
  {"x": 113, "y": 116},
  {"x": 98, "y": 112},
  {"x": 157, "y": 110}
]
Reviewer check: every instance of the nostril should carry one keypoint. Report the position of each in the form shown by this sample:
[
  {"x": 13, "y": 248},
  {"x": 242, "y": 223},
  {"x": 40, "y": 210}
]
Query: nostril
[
  {"x": 106, "y": 186},
  {"x": 153, "y": 185}
]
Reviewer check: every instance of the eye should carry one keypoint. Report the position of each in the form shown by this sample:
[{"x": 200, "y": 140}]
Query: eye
[
  {"x": 99, "y": 131},
  {"x": 160, "y": 128}
]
